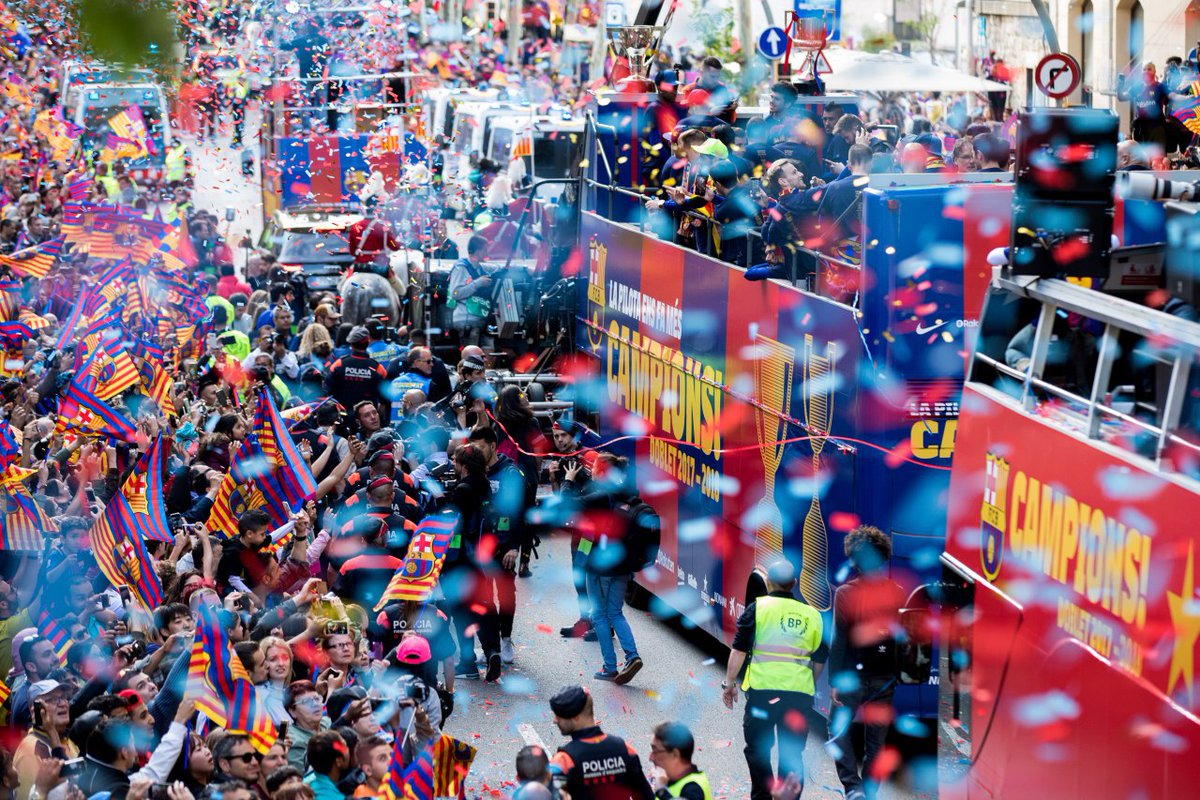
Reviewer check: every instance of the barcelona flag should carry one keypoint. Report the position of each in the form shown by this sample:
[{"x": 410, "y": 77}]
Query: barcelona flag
[
  {"x": 23, "y": 521},
  {"x": 422, "y": 566},
  {"x": 269, "y": 464},
  {"x": 80, "y": 407},
  {"x": 414, "y": 782},
  {"x": 133, "y": 516},
  {"x": 1189, "y": 115},
  {"x": 130, "y": 125},
  {"x": 222, "y": 687},
  {"x": 451, "y": 763},
  {"x": 36, "y": 261},
  {"x": 333, "y": 169},
  {"x": 57, "y": 635}
]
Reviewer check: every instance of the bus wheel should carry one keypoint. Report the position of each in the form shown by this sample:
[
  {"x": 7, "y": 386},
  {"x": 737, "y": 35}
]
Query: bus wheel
[{"x": 636, "y": 596}]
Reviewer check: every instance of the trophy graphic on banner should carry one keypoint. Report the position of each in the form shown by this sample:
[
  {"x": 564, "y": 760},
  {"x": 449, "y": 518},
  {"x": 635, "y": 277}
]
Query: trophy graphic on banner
[
  {"x": 774, "y": 367},
  {"x": 818, "y": 416}
]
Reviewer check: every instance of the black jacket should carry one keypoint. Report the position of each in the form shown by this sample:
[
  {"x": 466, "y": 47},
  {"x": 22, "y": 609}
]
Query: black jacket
[{"x": 99, "y": 777}]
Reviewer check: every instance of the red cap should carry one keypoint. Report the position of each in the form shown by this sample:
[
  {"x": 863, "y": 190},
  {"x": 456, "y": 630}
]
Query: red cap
[{"x": 413, "y": 650}]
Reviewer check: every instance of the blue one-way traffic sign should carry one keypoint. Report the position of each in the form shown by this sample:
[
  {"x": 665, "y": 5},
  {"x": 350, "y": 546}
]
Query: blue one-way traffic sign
[{"x": 772, "y": 43}]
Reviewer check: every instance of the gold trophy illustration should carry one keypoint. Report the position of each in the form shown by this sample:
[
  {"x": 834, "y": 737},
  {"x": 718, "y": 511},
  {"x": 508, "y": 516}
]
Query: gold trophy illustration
[
  {"x": 818, "y": 416},
  {"x": 773, "y": 370}
]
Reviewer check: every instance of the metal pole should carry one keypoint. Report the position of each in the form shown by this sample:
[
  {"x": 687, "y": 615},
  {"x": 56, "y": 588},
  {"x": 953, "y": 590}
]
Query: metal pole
[
  {"x": 970, "y": 37},
  {"x": 744, "y": 34},
  {"x": 1047, "y": 25}
]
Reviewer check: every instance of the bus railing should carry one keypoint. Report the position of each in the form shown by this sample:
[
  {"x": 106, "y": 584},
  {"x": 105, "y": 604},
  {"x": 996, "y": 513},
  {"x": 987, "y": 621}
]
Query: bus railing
[
  {"x": 1117, "y": 316},
  {"x": 829, "y": 277}
]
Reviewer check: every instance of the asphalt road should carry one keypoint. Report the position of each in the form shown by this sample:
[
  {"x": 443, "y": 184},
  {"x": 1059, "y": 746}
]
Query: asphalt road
[
  {"x": 679, "y": 682},
  {"x": 220, "y": 185}
]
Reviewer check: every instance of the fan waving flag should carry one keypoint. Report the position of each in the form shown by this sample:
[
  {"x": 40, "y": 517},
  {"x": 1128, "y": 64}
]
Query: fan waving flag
[
  {"x": 267, "y": 470},
  {"x": 23, "y": 521},
  {"x": 222, "y": 687},
  {"x": 80, "y": 407},
  {"x": 418, "y": 575},
  {"x": 36, "y": 261},
  {"x": 414, "y": 782},
  {"x": 134, "y": 515}
]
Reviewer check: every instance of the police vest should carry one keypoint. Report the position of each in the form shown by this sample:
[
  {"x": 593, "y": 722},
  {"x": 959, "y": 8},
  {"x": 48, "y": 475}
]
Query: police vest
[
  {"x": 175, "y": 163},
  {"x": 405, "y": 382},
  {"x": 698, "y": 778},
  {"x": 786, "y": 634}
]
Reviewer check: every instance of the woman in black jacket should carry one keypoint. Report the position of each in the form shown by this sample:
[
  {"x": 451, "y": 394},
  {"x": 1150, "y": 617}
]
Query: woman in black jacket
[{"x": 460, "y": 574}]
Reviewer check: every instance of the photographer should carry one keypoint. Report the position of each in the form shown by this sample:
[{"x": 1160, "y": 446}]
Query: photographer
[
  {"x": 534, "y": 778},
  {"x": 39, "y": 755},
  {"x": 469, "y": 293},
  {"x": 262, "y": 373}
]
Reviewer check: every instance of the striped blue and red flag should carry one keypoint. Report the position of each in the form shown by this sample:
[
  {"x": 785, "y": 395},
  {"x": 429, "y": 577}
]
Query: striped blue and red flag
[
  {"x": 221, "y": 686},
  {"x": 412, "y": 782},
  {"x": 134, "y": 515},
  {"x": 35, "y": 261},
  {"x": 58, "y": 636}
]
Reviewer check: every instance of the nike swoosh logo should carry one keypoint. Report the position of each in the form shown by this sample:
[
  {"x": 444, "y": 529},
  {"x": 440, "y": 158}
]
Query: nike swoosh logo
[{"x": 921, "y": 329}]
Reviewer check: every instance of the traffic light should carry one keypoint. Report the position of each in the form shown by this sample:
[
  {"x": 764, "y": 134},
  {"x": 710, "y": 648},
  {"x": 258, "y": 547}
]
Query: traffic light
[{"x": 1063, "y": 201}]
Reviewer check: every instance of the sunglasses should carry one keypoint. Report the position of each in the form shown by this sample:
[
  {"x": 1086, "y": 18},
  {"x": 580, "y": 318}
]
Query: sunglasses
[{"x": 247, "y": 758}]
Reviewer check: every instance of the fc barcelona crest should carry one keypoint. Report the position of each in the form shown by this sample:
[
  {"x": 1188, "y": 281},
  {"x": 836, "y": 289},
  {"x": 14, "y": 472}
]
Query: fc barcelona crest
[{"x": 992, "y": 515}]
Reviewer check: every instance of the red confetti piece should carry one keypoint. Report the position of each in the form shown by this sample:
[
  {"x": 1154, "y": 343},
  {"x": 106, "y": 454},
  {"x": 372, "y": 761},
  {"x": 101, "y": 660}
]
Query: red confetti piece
[{"x": 843, "y": 521}]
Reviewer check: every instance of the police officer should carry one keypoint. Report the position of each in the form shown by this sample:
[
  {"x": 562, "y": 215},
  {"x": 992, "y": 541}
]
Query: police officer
[
  {"x": 598, "y": 766},
  {"x": 356, "y": 377},
  {"x": 417, "y": 374},
  {"x": 781, "y": 636},
  {"x": 671, "y": 751}
]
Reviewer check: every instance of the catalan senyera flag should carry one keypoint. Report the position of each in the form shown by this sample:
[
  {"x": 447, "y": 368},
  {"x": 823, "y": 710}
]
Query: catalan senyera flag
[
  {"x": 267, "y": 470},
  {"x": 36, "y": 261},
  {"x": 418, "y": 575},
  {"x": 58, "y": 636},
  {"x": 134, "y": 515},
  {"x": 523, "y": 146},
  {"x": 414, "y": 782},
  {"x": 222, "y": 687},
  {"x": 5, "y": 692},
  {"x": 130, "y": 124},
  {"x": 451, "y": 763},
  {"x": 23, "y": 521}
]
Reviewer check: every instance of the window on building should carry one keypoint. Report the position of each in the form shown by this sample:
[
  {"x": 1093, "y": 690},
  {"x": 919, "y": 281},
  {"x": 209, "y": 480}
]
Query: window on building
[{"x": 1137, "y": 29}]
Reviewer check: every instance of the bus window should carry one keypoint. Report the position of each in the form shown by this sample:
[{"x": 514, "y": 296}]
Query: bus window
[
  {"x": 501, "y": 145},
  {"x": 554, "y": 155},
  {"x": 464, "y": 132}
]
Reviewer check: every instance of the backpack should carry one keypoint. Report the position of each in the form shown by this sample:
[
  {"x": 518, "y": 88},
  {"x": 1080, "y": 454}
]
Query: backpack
[{"x": 637, "y": 547}]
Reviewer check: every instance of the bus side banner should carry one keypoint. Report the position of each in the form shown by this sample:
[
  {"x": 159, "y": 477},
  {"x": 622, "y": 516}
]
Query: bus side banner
[
  {"x": 731, "y": 394},
  {"x": 333, "y": 169},
  {"x": 1100, "y": 551}
]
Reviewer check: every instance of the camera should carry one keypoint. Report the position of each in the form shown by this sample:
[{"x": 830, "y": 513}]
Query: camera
[
  {"x": 337, "y": 627},
  {"x": 261, "y": 374},
  {"x": 413, "y": 689}
]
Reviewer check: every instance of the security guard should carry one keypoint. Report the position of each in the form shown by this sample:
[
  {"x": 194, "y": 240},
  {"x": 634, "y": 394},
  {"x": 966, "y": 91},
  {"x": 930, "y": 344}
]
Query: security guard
[
  {"x": 782, "y": 638},
  {"x": 671, "y": 751},
  {"x": 597, "y": 766},
  {"x": 175, "y": 165}
]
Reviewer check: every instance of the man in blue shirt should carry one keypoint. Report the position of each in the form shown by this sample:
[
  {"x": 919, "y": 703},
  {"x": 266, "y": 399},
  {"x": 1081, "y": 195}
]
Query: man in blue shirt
[{"x": 328, "y": 761}]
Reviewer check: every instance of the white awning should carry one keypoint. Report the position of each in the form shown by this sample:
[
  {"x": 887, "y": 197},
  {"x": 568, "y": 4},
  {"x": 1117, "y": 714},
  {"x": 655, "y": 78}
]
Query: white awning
[{"x": 891, "y": 72}]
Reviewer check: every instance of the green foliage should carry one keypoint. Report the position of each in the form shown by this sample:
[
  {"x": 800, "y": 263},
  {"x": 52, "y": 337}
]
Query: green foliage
[
  {"x": 715, "y": 25},
  {"x": 128, "y": 32},
  {"x": 878, "y": 40}
]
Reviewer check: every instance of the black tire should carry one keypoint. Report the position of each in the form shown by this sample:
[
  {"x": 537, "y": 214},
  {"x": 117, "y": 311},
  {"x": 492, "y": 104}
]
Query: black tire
[
  {"x": 536, "y": 392},
  {"x": 637, "y": 596}
]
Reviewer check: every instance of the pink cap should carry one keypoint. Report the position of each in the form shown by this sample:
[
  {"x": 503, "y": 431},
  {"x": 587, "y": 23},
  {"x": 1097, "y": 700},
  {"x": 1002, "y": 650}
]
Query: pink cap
[{"x": 413, "y": 650}]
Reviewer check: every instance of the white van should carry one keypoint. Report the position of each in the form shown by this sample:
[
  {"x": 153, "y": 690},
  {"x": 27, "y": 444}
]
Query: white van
[{"x": 91, "y": 107}]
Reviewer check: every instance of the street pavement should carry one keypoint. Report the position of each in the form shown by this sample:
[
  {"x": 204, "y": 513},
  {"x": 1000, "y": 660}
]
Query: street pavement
[
  {"x": 680, "y": 682},
  {"x": 220, "y": 185}
]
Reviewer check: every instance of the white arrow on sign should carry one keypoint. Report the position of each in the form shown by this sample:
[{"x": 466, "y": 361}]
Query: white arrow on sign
[{"x": 771, "y": 42}]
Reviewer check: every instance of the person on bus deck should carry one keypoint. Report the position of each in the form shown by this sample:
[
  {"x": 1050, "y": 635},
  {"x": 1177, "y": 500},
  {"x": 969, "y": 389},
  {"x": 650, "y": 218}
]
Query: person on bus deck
[
  {"x": 992, "y": 153},
  {"x": 862, "y": 658}
]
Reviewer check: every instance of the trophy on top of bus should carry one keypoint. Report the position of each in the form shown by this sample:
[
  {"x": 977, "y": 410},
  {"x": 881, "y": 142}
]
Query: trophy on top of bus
[{"x": 637, "y": 45}]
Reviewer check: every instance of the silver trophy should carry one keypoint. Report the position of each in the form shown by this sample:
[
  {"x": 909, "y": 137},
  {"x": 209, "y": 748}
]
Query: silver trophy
[{"x": 638, "y": 44}]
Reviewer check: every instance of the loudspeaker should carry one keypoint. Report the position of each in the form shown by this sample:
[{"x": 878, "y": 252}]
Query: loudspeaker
[{"x": 1063, "y": 200}]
